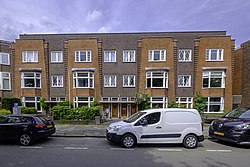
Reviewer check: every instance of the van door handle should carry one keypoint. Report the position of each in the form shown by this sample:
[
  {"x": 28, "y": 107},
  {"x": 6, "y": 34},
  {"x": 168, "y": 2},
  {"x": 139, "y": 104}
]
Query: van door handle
[{"x": 158, "y": 127}]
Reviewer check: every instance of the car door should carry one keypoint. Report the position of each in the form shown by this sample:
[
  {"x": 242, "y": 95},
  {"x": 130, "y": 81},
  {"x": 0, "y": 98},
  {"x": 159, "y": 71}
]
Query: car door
[
  {"x": 9, "y": 129},
  {"x": 149, "y": 128}
]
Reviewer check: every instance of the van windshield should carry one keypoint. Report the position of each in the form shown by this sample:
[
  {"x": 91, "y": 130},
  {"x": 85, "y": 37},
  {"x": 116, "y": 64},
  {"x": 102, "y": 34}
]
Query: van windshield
[{"x": 134, "y": 117}]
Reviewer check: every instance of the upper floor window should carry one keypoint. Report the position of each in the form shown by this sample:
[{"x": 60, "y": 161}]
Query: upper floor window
[
  {"x": 109, "y": 56},
  {"x": 31, "y": 80},
  {"x": 5, "y": 58},
  {"x": 214, "y": 54},
  {"x": 83, "y": 56},
  {"x": 128, "y": 56},
  {"x": 157, "y": 79},
  {"x": 185, "y": 55},
  {"x": 57, "y": 80},
  {"x": 110, "y": 81},
  {"x": 56, "y": 56},
  {"x": 128, "y": 81},
  {"x": 83, "y": 80},
  {"x": 30, "y": 56},
  {"x": 214, "y": 79},
  {"x": 157, "y": 55},
  {"x": 184, "y": 80},
  {"x": 5, "y": 81}
]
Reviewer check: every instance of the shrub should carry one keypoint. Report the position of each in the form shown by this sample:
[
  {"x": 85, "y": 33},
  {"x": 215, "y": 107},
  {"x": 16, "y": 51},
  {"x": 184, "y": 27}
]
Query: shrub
[
  {"x": 61, "y": 112},
  {"x": 28, "y": 110},
  {"x": 4, "y": 112},
  {"x": 8, "y": 102}
]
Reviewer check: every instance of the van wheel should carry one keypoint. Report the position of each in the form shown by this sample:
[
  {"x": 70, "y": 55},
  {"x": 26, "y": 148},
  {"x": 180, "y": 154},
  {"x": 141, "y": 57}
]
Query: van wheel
[
  {"x": 190, "y": 141},
  {"x": 128, "y": 141},
  {"x": 25, "y": 139}
]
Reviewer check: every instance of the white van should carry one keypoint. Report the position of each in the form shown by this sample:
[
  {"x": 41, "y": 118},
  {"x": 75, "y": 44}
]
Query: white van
[{"x": 168, "y": 125}]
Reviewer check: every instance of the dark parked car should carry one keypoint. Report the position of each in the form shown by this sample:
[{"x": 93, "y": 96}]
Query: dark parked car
[
  {"x": 232, "y": 127},
  {"x": 25, "y": 128}
]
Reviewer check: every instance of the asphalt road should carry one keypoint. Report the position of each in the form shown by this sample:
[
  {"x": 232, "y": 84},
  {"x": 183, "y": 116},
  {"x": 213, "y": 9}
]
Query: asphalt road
[{"x": 92, "y": 152}]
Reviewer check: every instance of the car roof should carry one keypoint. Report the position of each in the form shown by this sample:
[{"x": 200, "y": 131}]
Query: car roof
[{"x": 170, "y": 110}]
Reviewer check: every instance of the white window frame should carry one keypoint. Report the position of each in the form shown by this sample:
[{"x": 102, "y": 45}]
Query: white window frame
[
  {"x": 90, "y": 78},
  {"x": 110, "y": 80},
  {"x": 159, "y": 100},
  {"x": 151, "y": 55},
  {"x": 35, "y": 78},
  {"x": 26, "y": 59},
  {"x": 219, "y": 54},
  {"x": 2, "y": 78},
  {"x": 184, "y": 52},
  {"x": 56, "y": 57},
  {"x": 58, "y": 83},
  {"x": 128, "y": 78},
  {"x": 188, "y": 101},
  {"x": 36, "y": 101},
  {"x": 1, "y": 58},
  {"x": 108, "y": 56},
  {"x": 149, "y": 75},
  {"x": 128, "y": 56},
  {"x": 182, "y": 78},
  {"x": 221, "y": 103},
  {"x": 77, "y": 101},
  {"x": 223, "y": 78},
  {"x": 88, "y": 55}
]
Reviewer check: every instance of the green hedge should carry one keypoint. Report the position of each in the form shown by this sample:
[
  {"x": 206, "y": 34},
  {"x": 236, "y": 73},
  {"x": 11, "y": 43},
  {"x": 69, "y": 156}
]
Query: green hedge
[
  {"x": 8, "y": 102},
  {"x": 4, "y": 112},
  {"x": 28, "y": 110}
]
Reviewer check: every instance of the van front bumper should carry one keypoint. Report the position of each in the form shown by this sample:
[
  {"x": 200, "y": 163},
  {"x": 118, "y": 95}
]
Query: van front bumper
[
  {"x": 201, "y": 138},
  {"x": 113, "y": 137}
]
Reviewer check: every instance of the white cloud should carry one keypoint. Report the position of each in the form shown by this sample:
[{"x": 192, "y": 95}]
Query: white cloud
[
  {"x": 94, "y": 15},
  {"x": 104, "y": 29}
]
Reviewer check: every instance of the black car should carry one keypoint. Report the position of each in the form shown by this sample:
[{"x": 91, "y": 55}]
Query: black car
[
  {"x": 232, "y": 127},
  {"x": 25, "y": 128}
]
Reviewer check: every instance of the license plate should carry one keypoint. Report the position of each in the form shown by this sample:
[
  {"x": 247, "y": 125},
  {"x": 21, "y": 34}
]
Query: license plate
[
  {"x": 49, "y": 126},
  {"x": 219, "y": 133}
]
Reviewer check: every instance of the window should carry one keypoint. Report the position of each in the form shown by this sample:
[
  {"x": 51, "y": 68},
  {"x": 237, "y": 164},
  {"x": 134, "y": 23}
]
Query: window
[
  {"x": 31, "y": 80},
  {"x": 153, "y": 118},
  {"x": 109, "y": 56},
  {"x": 158, "y": 102},
  {"x": 83, "y": 80},
  {"x": 83, "y": 56},
  {"x": 157, "y": 55},
  {"x": 128, "y": 56},
  {"x": 56, "y": 56},
  {"x": 214, "y": 79},
  {"x": 57, "y": 80},
  {"x": 30, "y": 56},
  {"x": 185, "y": 55},
  {"x": 109, "y": 81},
  {"x": 215, "y": 104},
  {"x": 184, "y": 80},
  {"x": 157, "y": 79},
  {"x": 185, "y": 102},
  {"x": 82, "y": 101},
  {"x": 128, "y": 81},
  {"x": 5, "y": 58},
  {"x": 214, "y": 54},
  {"x": 32, "y": 102},
  {"x": 5, "y": 81}
]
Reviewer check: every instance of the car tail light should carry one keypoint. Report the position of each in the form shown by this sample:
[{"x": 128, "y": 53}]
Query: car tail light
[{"x": 39, "y": 125}]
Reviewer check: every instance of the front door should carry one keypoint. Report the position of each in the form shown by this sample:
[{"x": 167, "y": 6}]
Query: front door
[
  {"x": 124, "y": 111},
  {"x": 114, "y": 110},
  {"x": 133, "y": 109}
]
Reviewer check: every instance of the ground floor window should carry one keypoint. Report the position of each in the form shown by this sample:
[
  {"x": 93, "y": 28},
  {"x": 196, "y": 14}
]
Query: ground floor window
[
  {"x": 215, "y": 104},
  {"x": 32, "y": 102},
  {"x": 82, "y": 101},
  {"x": 158, "y": 102},
  {"x": 185, "y": 102}
]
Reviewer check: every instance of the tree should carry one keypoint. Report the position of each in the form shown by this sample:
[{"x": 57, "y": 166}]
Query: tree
[
  {"x": 142, "y": 101},
  {"x": 200, "y": 102},
  {"x": 44, "y": 105},
  {"x": 8, "y": 102}
]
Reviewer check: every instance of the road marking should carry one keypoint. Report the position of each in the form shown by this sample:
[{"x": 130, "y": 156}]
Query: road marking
[
  {"x": 219, "y": 150},
  {"x": 75, "y": 148},
  {"x": 170, "y": 150},
  {"x": 122, "y": 149},
  {"x": 30, "y": 147}
]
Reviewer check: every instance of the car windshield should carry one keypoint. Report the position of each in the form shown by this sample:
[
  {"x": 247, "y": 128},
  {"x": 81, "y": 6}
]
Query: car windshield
[
  {"x": 239, "y": 113},
  {"x": 134, "y": 117}
]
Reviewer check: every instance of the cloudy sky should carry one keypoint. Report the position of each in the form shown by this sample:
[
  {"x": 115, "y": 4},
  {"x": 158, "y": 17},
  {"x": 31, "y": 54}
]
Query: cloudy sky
[{"x": 80, "y": 16}]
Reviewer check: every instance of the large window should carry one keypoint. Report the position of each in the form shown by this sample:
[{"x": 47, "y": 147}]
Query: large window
[
  {"x": 57, "y": 80},
  {"x": 212, "y": 79},
  {"x": 82, "y": 101},
  {"x": 214, "y": 54},
  {"x": 32, "y": 102},
  {"x": 5, "y": 58},
  {"x": 5, "y": 81},
  {"x": 185, "y": 55},
  {"x": 128, "y": 81},
  {"x": 215, "y": 104},
  {"x": 109, "y": 56},
  {"x": 128, "y": 56},
  {"x": 158, "y": 102},
  {"x": 31, "y": 80},
  {"x": 110, "y": 81},
  {"x": 83, "y": 56},
  {"x": 30, "y": 56},
  {"x": 157, "y": 79},
  {"x": 157, "y": 55},
  {"x": 185, "y": 102},
  {"x": 56, "y": 56},
  {"x": 83, "y": 80},
  {"x": 184, "y": 80}
]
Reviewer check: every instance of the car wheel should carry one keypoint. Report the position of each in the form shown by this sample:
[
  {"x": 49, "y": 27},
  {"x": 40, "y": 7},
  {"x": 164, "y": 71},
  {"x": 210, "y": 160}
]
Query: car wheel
[
  {"x": 25, "y": 139},
  {"x": 128, "y": 141},
  {"x": 190, "y": 141}
]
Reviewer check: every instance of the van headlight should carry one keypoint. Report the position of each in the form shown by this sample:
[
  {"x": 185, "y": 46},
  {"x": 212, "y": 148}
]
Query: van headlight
[
  {"x": 242, "y": 127},
  {"x": 116, "y": 128}
]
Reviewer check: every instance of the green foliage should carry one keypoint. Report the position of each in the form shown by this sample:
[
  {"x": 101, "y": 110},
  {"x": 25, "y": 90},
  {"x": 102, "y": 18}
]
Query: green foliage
[
  {"x": 200, "y": 102},
  {"x": 60, "y": 112},
  {"x": 173, "y": 104},
  {"x": 28, "y": 110},
  {"x": 8, "y": 102},
  {"x": 142, "y": 101},
  {"x": 44, "y": 105},
  {"x": 64, "y": 103},
  {"x": 4, "y": 112}
]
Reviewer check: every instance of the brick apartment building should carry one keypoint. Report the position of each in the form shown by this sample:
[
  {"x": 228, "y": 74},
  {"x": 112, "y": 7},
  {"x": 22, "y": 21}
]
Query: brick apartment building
[{"x": 113, "y": 67}]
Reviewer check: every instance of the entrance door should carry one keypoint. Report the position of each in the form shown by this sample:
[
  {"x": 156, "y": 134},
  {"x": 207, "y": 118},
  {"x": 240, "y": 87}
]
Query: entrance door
[
  {"x": 114, "y": 110},
  {"x": 133, "y": 109},
  {"x": 124, "y": 111}
]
